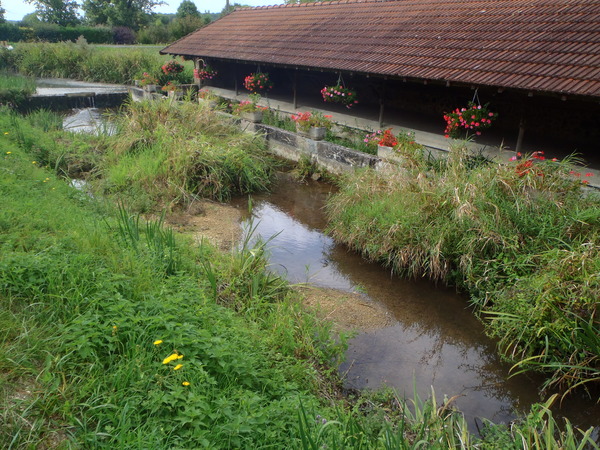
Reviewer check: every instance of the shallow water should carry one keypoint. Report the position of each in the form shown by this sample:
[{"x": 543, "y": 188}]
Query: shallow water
[
  {"x": 88, "y": 120},
  {"x": 434, "y": 339}
]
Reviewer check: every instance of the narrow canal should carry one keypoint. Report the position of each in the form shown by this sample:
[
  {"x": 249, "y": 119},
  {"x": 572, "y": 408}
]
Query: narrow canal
[{"x": 431, "y": 337}]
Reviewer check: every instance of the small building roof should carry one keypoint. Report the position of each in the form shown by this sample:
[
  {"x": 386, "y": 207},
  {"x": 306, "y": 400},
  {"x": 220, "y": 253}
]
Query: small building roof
[{"x": 535, "y": 45}]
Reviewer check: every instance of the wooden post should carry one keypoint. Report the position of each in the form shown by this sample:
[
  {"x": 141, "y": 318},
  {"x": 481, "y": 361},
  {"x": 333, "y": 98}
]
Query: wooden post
[
  {"x": 381, "y": 105},
  {"x": 237, "y": 90},
  {"x": 295, "y": 89},
  {"x": 521, "y": 135}
]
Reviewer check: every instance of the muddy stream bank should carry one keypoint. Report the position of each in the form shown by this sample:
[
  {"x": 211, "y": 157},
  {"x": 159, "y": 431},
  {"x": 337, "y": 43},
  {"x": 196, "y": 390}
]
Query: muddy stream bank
[{"x": 410, "y": 334}]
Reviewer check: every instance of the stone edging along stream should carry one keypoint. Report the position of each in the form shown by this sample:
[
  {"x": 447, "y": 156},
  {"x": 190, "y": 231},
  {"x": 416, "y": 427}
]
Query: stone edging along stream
[{"x": 334, "y": 158}]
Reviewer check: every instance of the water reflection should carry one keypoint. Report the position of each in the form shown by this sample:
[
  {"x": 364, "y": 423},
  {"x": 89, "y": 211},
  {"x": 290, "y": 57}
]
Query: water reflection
[{"x": 435, "y": 339}]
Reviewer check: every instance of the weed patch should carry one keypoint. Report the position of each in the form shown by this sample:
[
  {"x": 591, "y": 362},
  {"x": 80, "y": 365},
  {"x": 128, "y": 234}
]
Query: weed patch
[{"x": 516, "y": 241}]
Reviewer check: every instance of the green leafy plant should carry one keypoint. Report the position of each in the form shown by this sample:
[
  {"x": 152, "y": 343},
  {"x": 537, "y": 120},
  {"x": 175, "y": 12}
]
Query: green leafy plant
[
  {"x": 247, "y": 106},
  {"x": 306, "y": 120}
]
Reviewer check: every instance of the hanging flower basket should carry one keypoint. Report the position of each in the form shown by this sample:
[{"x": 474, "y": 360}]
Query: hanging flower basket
[
  {"x": 339, "y": 94},
  {"x": 258, "y": 82},
  {"x": 207, "y": 73},
  {"x": 473, "y": 118},
  {"x": 172, "y": 68}
]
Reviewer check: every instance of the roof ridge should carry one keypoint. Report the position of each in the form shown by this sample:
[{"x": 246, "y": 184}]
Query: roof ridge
[{"x": 316, "y": 3}]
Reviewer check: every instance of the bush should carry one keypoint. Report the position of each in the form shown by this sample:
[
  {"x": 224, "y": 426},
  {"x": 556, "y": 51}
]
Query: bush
[
  {"x": 123, "y": 35},
  {"x": 155, "y": 34},
  {"x": 12, "y": 33}
]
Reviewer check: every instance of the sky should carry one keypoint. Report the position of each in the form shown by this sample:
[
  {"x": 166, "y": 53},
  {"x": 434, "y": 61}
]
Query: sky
[{"x": 16, "y": 9}]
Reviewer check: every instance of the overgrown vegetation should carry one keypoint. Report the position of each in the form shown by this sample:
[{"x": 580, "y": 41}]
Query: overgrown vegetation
[
  {"x": 85, "y": 62},
  {"x": 163, "y": 154},
  {"x": 118, "y": 333},
  {"x": 14, "y": 88},
  {"x": 521, "y": 238},
  {"x": 170, "y": 152}
]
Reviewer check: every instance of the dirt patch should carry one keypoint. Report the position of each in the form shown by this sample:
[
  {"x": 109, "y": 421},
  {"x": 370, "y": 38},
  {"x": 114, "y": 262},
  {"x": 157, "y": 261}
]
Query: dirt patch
[
  {"x": 220, "y": 225},
  {"x": 348, "y": 311},
  {"x": 216, "y": 222}
]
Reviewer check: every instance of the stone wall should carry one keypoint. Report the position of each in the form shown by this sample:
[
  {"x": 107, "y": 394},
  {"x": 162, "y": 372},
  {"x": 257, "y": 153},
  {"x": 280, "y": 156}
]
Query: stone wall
[{"x": 326, "y": 155}]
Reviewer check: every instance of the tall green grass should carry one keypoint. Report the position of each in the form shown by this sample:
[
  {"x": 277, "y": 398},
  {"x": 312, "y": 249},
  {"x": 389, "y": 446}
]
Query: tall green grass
[
  {"x": 173, "y": 152},
  {"x": 15, "y": 88},
  {"x": 523, "y": 243},
  {"x": 86, "y": 300},
  {"x": 162, "y": 154},
  {"x": 89, "y": 62}
]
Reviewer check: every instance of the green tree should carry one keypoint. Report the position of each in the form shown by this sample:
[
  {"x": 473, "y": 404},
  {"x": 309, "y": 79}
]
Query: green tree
[
  {"x": 127, "y": 13},
  {"x": 187, "y": 8},
  {"x": 2, "y": 11},
  {"x": 30, "y": 20},
  {"x": 186, "y": 25},
  {"x": 60, "y": 12}
]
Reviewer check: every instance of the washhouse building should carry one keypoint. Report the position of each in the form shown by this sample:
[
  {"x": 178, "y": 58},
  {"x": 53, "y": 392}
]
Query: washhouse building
[{"x": 535, "y": 62}]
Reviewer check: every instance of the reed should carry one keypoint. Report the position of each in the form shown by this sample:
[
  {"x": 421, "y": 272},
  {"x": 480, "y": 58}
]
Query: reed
[
  {"x": 174, "y": 152},
  {"x": 15, "y": 88},
  {"x": 524, "y": 245},
  {"x": 90, "y": 62}
]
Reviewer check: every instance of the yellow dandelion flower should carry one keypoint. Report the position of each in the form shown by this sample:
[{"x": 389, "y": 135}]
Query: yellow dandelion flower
[
  {"x": 158, "y": 342},
  {"x": 178, "y": 366},
  {"x": 168, "y": 359},
  {"x": 180, "y": 356},
  {"x": 33, "y": 162},
  {"x": 8, "y": 153},
  {"x": 186, "y": 383},
  {"x": 5, "y": 133}
]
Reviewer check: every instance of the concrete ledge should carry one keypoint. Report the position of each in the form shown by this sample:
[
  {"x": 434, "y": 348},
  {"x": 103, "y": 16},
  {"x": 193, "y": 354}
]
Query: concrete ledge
[
  {"x": 291, "y": 146},
  {"x": 74, "y": 100}
]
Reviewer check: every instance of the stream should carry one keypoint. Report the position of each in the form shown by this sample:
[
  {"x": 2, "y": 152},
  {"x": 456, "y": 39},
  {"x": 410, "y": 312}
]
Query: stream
[{"x": 433, "y": 340}]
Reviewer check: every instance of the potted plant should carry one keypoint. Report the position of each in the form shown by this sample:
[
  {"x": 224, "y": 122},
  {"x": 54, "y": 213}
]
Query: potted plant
[
  {"x": 339, "y": 94},
  {"x": 249, "y": 109},
  {"x": 205, "y": 97},
  {"x": 173, "y": 90},
  {"x": 464, "y": 121},
  {"x": 385, "y": 141},
  {"x": 315, "y": 124},
  {"x": 258, "y": 82},
  {"x": 148, "y": 82}
]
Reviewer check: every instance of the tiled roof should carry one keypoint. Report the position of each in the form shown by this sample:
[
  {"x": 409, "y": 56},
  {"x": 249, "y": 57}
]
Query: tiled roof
[{"x": 537, "y": 45}]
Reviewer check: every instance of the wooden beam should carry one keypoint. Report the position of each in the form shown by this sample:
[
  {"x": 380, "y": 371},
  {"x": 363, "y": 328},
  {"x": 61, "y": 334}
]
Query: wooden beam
[
  {"x": 237, "y": 89},
  {"x": 295, "y": 89},
  {"x": 521, "y": 135},
  {"x": 381, "y": 104}
]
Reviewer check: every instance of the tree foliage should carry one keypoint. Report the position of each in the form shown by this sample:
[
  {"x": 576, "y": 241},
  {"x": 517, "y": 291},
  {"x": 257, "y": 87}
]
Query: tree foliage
[
  {"x": 187, "y": 8},
  {"x": 2, "y": 11},
  {"x": 127, "y": 13},
  {"x": 59, "y": 12}
]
